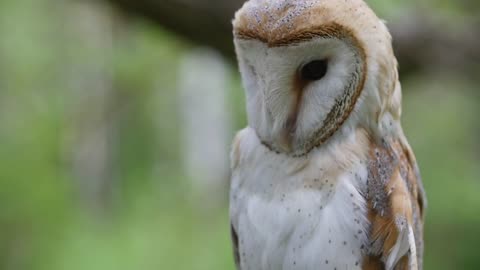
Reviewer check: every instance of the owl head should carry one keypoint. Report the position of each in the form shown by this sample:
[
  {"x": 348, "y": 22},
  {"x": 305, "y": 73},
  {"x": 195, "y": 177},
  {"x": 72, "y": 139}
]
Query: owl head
[{"x": 313, "y": 70}]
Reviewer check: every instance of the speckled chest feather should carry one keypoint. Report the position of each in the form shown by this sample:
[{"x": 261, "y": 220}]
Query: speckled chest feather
[
  {"x": 349, "y": 205},
  {"x": 307, "y": 213}
]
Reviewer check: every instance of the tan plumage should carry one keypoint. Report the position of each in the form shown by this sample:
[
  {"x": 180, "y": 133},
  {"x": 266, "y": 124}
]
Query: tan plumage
[{"x": 330, "y": 146}]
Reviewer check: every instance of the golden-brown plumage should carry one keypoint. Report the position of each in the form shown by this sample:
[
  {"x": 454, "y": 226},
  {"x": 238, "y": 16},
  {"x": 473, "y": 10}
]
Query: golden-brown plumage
[
  {"x": 323, "y": 177},
  {"x": 392, "y": 170}
]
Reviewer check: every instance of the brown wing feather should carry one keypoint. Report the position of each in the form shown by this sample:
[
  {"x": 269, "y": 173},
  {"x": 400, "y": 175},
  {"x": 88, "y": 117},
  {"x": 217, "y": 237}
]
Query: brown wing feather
[{"x": 396, "y": 199}]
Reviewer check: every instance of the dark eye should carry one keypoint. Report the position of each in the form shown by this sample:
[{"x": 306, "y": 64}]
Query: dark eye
[{"x": 314, "y": 70}]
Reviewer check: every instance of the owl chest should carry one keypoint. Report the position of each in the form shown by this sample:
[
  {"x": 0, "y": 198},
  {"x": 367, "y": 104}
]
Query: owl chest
[{"x": 310, "y": 219}]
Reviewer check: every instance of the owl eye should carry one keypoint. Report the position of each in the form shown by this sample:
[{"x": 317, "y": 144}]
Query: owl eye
[{"x": 314, "y": 70}]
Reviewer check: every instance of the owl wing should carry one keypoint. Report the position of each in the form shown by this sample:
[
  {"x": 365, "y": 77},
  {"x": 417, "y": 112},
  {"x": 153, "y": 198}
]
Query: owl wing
[
  {"x": 235, "y": 159},
  {"x": 396, "y": 202},
  {"x": 236, "y": 255}
]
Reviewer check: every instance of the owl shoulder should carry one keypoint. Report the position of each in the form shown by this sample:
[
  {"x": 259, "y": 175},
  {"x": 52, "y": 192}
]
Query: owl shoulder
[
  {"x": 396, "y": 203},
  {"x": 235, "y": 151},
  {"x": 244, "y": 143}
]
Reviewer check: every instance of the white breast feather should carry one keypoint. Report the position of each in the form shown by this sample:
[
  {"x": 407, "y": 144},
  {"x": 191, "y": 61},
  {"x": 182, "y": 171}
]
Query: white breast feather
[{"x": 297, "y": 213}]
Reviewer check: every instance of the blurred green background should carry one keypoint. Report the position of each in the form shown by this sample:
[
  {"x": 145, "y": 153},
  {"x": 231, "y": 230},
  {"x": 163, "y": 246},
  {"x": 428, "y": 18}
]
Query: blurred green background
[{"x": 94, "y": 132}]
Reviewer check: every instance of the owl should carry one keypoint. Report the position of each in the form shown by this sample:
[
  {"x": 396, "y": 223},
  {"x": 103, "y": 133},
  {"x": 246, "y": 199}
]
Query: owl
[{"x": 323, "y": 176}]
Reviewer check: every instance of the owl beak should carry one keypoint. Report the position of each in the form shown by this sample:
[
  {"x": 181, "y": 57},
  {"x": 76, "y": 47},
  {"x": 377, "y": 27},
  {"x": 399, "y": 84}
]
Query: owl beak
[
  {"x": 285, "y": 139},
  {"x": 284, "y": 143},
  {"x": 286, "y": 131}
]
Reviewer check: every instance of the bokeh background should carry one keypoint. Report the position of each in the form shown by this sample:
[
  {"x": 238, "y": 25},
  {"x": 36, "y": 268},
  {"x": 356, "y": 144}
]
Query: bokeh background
[{"x": 116, "y": 118}]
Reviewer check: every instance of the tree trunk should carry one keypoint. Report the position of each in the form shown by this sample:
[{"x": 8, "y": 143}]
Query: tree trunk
[{"x": 89, "y": 130}]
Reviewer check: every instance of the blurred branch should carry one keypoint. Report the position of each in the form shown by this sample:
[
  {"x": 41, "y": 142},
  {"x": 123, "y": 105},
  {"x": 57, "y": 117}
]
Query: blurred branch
[
  {"x": 420, "y": 44},
  {"x": 207, "y": 22}
]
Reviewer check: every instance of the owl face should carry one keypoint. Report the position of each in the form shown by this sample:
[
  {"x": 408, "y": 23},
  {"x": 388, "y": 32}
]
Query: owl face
[
  {"x": 295, "y": 91},
  {"x": 305, "y": 67}
]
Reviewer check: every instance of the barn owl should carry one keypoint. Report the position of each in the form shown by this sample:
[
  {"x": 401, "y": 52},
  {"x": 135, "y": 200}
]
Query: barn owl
[{"x": 323, "y": 176}]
